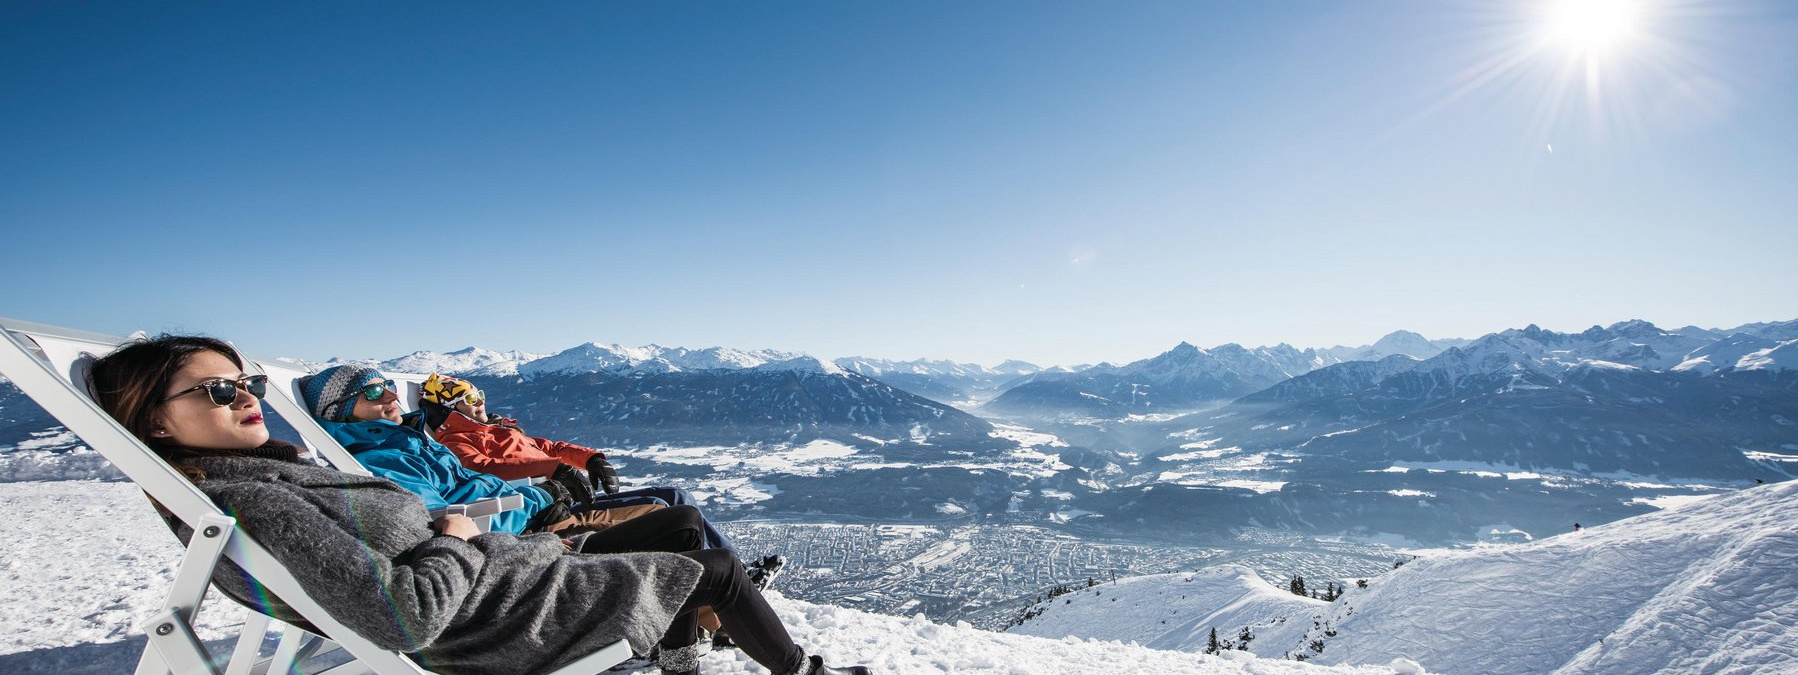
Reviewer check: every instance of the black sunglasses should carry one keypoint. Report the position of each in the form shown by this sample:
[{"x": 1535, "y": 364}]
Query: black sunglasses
[{"x": 224, "y": 392}]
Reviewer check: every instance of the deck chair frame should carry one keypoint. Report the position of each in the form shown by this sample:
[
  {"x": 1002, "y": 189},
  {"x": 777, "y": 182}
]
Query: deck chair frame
[{"x": 48, "y": 364}]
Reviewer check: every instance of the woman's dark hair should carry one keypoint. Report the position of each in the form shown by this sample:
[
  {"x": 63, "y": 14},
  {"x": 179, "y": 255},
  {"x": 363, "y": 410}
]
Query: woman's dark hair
[{"x": 128, "y": 383}]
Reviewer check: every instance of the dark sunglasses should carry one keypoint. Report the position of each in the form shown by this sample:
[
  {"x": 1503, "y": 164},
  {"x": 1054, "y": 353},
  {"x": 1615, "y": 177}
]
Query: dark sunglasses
[
  {"x": 373, "y": 391},
  {"x": 224, "y": 392}
]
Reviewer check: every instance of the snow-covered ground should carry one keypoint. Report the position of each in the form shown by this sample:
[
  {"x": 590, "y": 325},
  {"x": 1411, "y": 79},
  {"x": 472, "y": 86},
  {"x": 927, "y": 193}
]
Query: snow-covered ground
[
  {"x": 1709, "y": 586},
  {"x": 1187, "y": 607},
  {"x": 1706, "y": 587},
  {"x": 88, "y": 560}
]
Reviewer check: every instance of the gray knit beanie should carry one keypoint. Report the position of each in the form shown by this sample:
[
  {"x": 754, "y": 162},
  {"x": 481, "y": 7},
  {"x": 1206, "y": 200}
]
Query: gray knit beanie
[{"x": 329, "y": 393}]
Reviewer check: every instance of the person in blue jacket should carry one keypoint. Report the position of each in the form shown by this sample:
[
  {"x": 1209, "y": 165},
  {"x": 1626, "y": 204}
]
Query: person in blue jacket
[{"x": 360, "y": 409}]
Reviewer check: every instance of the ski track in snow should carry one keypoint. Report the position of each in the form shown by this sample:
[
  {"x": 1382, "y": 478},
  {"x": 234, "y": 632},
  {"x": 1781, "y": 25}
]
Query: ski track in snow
[{"x": 90, "y": 560}]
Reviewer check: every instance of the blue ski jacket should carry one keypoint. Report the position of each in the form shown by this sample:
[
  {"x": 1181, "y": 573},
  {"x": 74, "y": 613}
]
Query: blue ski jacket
[{"x": 424, "y": 467}]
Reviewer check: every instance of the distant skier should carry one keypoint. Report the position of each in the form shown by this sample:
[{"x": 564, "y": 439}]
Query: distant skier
[{"x": 1576, "y": 527}]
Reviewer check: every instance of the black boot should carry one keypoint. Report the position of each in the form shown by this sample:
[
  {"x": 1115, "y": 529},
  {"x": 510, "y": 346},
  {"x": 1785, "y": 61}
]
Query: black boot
[{"x": 762, "y": 572}]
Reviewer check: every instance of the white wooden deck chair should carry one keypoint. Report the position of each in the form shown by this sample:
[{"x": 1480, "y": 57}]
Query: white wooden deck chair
[
  {"x": 49, "y": 364},
  {"x": 285, "y": 397}
]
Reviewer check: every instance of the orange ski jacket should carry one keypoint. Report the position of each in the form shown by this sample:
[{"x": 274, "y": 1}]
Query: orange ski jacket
[{"x": 502, "y": 449}]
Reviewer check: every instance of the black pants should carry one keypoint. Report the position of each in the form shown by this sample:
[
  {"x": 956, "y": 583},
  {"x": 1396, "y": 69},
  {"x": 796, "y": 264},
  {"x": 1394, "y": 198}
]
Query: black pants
[
  {"x": 746, "y": 616},
  {"x": 676, "y": 529},
  {"x": 723, "y": 586}
]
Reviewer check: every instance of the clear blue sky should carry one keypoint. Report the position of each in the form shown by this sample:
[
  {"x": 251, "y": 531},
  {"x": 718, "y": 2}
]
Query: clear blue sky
[{"x": 1058, "y": 182}]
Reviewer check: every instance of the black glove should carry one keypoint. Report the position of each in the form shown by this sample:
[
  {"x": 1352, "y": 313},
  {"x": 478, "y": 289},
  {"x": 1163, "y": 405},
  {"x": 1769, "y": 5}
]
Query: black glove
[
  {"x": 550, "y": 515},
  {"x": 604, "y": 476},
  {"x": 557, "y": 493},
  {"x": 575, "y": 482}
]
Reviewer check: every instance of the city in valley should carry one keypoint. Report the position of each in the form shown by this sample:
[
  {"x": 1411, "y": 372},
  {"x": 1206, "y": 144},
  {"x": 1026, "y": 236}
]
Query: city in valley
[{"x": 986, "y": 574}]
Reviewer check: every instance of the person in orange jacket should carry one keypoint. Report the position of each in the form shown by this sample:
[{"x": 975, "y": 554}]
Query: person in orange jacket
[{"x": 495, "y": 445}]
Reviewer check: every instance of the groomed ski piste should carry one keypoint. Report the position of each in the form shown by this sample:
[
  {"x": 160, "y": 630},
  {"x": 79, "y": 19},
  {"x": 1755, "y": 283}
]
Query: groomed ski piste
[{"x": 88, "y": 560}]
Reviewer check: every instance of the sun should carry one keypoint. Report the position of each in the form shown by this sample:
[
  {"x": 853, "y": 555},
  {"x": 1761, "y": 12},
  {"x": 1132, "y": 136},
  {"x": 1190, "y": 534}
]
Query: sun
[
  {"x": 1622, "y": 65},
  {"x": 1593, "y": 27}
]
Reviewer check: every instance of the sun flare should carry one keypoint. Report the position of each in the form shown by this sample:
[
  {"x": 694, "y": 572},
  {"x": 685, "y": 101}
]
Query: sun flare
[{"x": 1593, "y": 26}]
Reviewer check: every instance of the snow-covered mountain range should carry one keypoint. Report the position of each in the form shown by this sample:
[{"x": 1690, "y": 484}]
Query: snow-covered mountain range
[
  {"x": 1708, "y": 587},
  {"x": 1515, "y": 430},
  {"x": 469, "y": 361},
  {"x": 942, "y": 380},
  {"x": 1188, "y": 377},
  {"x": 1606, "y": 400},
  {"x": 1182, "y": 378},
  {"x": 655, "y": 359},
  {"x": 1399, "y": 342},
  {"x": 591, "y": 357},
  {"x": 1742, "y": 351}
]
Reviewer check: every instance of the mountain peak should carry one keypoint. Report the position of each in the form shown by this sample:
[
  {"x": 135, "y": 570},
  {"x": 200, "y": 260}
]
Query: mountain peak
[
  {"x": 1405, "y": 342},
  {"x": 1635, "y": 327},
  {"x": 1016, "y": 367},
  {"x": 803, "y": 364}
]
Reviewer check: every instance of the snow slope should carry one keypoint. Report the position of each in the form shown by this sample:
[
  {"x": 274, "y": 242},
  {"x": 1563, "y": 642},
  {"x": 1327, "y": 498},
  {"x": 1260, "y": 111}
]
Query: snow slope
[
  {"x": 1185, "y": 608},
  {"x": 1708, "y": 587},
  {"x": 88, "y": 560}
]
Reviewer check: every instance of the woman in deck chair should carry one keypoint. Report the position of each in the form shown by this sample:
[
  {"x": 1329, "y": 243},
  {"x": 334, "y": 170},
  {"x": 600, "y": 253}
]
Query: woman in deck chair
[{"x": 366, "y": 549}]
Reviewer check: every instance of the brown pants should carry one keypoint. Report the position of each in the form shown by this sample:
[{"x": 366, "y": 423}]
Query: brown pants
[{"x": 595, "y": 520}]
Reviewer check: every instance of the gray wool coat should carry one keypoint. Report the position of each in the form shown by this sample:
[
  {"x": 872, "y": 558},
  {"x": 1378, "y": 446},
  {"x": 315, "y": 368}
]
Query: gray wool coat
[{"x": 363, "y": 548}]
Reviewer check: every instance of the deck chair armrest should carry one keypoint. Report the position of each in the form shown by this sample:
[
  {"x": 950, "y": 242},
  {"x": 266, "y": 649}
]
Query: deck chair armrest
[
  {"x": 482, "y": 511},
  {"x": 490, "y": 506}
]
